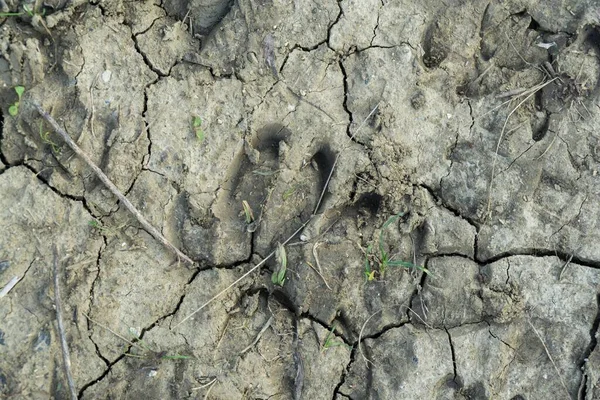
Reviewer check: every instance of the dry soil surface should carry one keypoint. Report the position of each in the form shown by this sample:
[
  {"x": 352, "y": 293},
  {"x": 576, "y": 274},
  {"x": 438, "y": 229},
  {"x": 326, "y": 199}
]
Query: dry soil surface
[{"x": 438, "y": 161}]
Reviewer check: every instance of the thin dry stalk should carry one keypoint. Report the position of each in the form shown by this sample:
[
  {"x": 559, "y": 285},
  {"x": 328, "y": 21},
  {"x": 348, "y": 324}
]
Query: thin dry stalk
[
  {"x": 562, "y": 382},
  {"x": 564, "y": 268},
  {"x": 320, "y": 270},
  {"x": 367, "y": 361},
  {"x": 221, "y": 338},
  {"x": 92, "y": 110},
  {"x": 515, "y": 96},
  {"x": 205, "y": 385},
  {"x": 241, "y": 278},
  {"x": 519, "y": 54},
  {"x": 263, "y": 330},
  {"x": 61, "y": 328},
  {"x": 529, "y": 93},
  {"x": 145, "y": 224},
  {"x": 511, "y": 93},
  {"x": 212, "y": 385},
  {"x": 420, "y": 319},
  {"x": 337, "y": 157},
  {"x": 318, "y": 273},
  {"x": 115, "y": 333},
  {"x": 9, "y": 286}
]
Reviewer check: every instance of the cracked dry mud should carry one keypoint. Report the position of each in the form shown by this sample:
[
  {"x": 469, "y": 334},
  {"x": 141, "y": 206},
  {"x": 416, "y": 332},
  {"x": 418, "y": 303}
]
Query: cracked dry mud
[{"x": 415, "y": 103}]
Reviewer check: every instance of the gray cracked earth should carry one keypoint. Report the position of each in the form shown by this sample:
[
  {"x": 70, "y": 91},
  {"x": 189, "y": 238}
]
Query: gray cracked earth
[{"x": 475, "y": 121}]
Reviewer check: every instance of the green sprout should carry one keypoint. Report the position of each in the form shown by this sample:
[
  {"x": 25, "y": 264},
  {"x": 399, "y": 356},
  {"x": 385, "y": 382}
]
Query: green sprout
[
  {"x": 330, "y": 340},
  {"x": 14, "y": 108},
  {"x": 384, "y": 259},
  {"x": 94, "y": 223},
  {"x": 45, "y": 136},
  {"x": 197, "y": 127},
  {"x": 278, "y": 276},
  {"x": 286, "y": 195},
  {"x": 99, "y": 227},
  {"x": 369, "y": 272},
  {"x": 248, "y": 212},
  {"x": 104, "y": 230},
  {"x": 26, "y": 10}
]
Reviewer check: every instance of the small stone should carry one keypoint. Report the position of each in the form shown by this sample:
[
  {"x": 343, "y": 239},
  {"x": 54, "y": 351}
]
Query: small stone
[{"x": 106, "y": 75}]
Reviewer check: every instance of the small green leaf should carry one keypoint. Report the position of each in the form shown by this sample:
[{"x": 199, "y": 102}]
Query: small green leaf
[
  {"x": 20, "y": 90},
  {"x": 14, "y": 109},
  {"x": 281, "y": 255},
  {"x": 197, "y": 122},
  {"x": 28, "y": 10},
  {"x": 369, "y": 273},
  {"x": 247, "y": 212},
  {"x": 200, "y": 134},
  {"x": 288, "y": 193},
  {"x": 278, "y": 276}
]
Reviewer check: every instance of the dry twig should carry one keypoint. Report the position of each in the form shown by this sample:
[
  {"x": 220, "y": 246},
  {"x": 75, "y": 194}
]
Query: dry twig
[
  {"x": 241, "y": 278},
  {"x": 145, "y": 224},
  {"x": 263, "y": 329},
  {"x": 9, "y": 286},
  {"x": 61, "y": 328},
  {"x": 367, "y": 361},
  {"x": 123, "y": 338},
  {"x": 529, "y": 94},
  {"x": 562, "y": 382},
  {"x": 563, "y": 269},
  {"x": 319, "y": 271}
]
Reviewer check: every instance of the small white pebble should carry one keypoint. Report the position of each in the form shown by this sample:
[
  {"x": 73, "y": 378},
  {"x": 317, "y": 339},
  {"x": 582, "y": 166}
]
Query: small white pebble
[{"x": 106, "y": 75}]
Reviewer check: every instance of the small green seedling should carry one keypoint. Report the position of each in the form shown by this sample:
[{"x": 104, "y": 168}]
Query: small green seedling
[
  {"x": 26, "y": 10},
  {"x": 11, "y": 14},
  {"x": 94, "y": 223},
  {"x": 264, "y": 172},
  {"x": 330, "y": 340},
  {"x": 45, "y": 136},
  {"x": 286, "y": 195},
  {"x": 14, "y": 108},
  {"x": 248, "y": 212},
  {"x": 384, "y": 259},
  {"x": 278, "y": 276},
  {"x": 103, "y": 230},
  {"x": 197, "y": 127},
  {"x": 97, "y": 225},
  {"x": 369, "y": 272}
]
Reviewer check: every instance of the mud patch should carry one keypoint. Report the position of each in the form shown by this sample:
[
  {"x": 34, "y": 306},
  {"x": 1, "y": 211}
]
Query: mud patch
[{"x": 432, "y": 170}]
